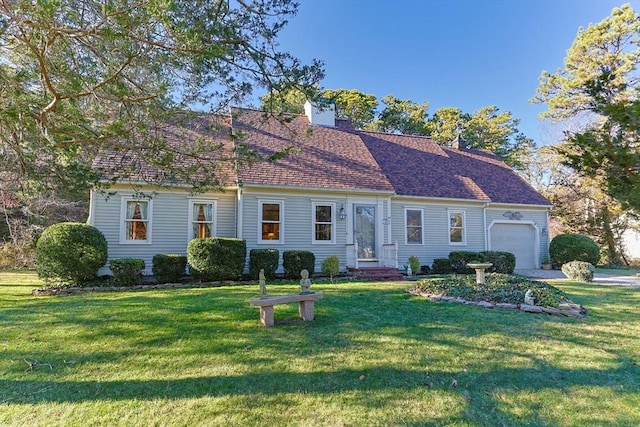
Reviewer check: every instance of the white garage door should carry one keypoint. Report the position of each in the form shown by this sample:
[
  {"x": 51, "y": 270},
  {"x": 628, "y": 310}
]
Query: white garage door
[{"x": 519, "y": 239}]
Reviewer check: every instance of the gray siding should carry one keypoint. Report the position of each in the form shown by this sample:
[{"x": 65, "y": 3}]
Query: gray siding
[
  {"x": 169, "y": 222},
  {"x": 297, "y": 224},
  {"x": 436, "y": 230}
]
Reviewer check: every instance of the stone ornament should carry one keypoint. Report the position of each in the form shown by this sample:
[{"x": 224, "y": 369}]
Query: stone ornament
[{"x": 305, "y": 282}]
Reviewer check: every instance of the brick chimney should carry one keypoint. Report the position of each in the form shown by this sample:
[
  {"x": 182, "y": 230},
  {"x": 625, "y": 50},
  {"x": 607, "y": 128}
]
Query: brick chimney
[
  {"x": 459, "y": 144},
  {"x": 323, "y": 114}
]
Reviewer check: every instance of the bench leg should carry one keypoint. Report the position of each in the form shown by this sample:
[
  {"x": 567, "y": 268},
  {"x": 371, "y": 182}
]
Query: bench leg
[
  {"x": 266, "y": 315},
  {"x": 305, "y": 308}
]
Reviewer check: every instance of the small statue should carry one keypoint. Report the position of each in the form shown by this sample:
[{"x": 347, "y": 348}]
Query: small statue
[
  {"x": 263, "y": 284},
  {"x": 528, "y": 299},
  {"x": 305, "y": 282}
]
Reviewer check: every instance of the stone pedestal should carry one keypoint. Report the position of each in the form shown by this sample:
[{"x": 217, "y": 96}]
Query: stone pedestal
[{"x": 480, "y": 268}]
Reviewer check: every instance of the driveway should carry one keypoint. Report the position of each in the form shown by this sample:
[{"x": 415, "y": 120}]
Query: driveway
[{"x": 605, "y": 279}]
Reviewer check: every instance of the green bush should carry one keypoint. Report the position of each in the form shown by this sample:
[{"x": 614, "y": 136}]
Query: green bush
[
  {"x": 578, "y": 270},
  {"x": 263, "y": 259},
  {"x": 498, "y": 288},
  {"x": 70, "y": 253},
  {"x": 216, "y": 258},
  {"x": 425, "y": 269},
  {"x": 573, "y": 247},
  {"x": 460, "y": 259},
  {"x": 503, "y": 262},
  {"x": 414, "y": 263},
  {"x": 294, "y": 262},
  {"x": 168, "y": 268},
  {"x": 441, "y": 266},
  {"x": 127, "y": 271},
  {"x": 331, "y": 266}
]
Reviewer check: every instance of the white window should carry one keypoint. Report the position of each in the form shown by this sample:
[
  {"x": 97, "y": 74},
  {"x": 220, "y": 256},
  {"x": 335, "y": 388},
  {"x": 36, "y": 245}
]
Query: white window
[
  {"x": 457, "y": 234},
  {"x": 202, "y": 219},
  {"x": 414, "y": 226},
  {"x": 324, "y": 216},
  {"x": 270, "y": 217},
  {"x": 135, "y": 226}
]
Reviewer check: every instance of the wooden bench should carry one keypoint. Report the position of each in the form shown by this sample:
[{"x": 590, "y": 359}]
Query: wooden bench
[{"x": 305, "y": 305}]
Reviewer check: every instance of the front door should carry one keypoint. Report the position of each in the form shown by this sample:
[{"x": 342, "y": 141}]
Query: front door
[{"x": 365, "y": 231}]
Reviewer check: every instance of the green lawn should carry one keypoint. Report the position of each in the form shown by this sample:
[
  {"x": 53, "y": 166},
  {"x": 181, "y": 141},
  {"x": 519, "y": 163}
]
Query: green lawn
[{"x": 374, "y": 356}]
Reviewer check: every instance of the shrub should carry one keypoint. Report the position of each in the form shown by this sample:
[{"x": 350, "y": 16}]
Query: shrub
[
  {"x": 216, "y": 258},
  {"x": 414, "y": 263},
  {"x": 294, "y": 262},
  {"x": 70, "y": 252},
  {"x": 503, "y": 262},
  {"x": 263, "y": 259},
  {"x": 578, "y": 270},
  {"x": 168, "y": 268},
  {"x": 497, "y": 288},
  {"x": 331, "y": 266},
  {"x": 460, "y": 259},
  {"x": 425, "y": 269},
  {"x": 441, "y": 266},
  {"x": 573, "y": 247},
  {"x": 127, "y": 271}
]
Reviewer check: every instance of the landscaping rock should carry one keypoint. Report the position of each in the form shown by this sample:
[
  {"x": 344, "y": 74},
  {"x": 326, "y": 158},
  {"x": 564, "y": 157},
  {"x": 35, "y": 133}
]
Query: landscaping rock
[
  {"x": 485, "y": 304},
  {"x": 507, "y": 306},
  {"x": 530, "y": 308}
]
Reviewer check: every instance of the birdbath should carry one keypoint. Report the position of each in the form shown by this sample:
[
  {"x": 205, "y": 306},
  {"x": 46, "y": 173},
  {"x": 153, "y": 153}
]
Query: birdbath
[{"x": 480, "y": 267}]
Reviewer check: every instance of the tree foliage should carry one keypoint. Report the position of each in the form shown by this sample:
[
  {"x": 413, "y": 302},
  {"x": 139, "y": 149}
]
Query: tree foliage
[
  {"x": 85, "y": 76},
  {"x": 359, "y": 108},
  {"x": 611, "y": 45},
  {"x": 401, "y": 116}
]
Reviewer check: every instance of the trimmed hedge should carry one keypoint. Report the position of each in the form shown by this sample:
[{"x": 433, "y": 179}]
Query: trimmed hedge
[
  {"x": 70, "y": 253},
  {"x": 578, "y": 270},
  {"x": 266, "y": 259},
  {"x": 168, "y": 268},
  {"x": 460, "y": 259},
  {"x": 503, "y": 262},
  {"x": 294, "y": 262},
  {"x": 127, "y": 271},
  {"x": 573, "y": 247},
  {"x": 216, "y": 258},
  {"x": 441, "y": 266}
]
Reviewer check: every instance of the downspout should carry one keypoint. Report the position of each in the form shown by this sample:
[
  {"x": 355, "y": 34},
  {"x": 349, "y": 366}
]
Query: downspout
[
  {"x": 239, "y": 211},
  {"x": 486, "y": 231}
]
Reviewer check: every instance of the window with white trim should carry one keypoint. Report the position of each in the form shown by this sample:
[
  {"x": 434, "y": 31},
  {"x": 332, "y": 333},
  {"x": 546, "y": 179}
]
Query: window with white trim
[
  {"x": 414, "y": 226},
  {"x": 457, "y": 233},
  {"x": 202, "y": 219},
  {"x": 324, "y": 222},
  {"x": 135, "y": 226},
  {"x": 270, "y": 218}
]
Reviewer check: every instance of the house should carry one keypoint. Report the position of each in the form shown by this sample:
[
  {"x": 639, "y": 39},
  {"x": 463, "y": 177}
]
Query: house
[{"x": 372, "y": 199}]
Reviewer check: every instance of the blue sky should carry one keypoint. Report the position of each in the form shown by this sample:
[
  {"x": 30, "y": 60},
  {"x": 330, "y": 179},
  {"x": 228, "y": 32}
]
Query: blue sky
[{"x": 457, "y": 53}]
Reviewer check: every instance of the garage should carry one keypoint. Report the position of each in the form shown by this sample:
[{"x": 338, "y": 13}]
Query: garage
[{"x": 519, "y": 239}]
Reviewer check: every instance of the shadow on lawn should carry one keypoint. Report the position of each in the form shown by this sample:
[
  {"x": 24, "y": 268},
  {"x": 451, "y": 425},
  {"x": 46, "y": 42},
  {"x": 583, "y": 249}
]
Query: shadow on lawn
[{"x": 481, "y": 390}]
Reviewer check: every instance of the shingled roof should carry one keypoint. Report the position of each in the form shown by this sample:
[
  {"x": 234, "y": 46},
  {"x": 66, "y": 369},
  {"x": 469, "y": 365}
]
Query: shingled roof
[
  {"x": 418, "y": 166},
  {"x": 342, "y": 158},
  {"x": 320, "y": 157}
]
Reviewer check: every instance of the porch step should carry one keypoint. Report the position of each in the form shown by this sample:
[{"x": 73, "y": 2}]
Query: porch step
[{"x": 376, "y": 273}]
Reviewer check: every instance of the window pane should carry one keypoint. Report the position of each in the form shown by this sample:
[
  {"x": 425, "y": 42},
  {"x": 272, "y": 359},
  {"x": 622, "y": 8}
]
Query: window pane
[
  {"x": 323, "y": 213},
  {"x": 456, "y": 235},
  {"x": 270, "y": 231},
  {"x": 323, "y": 231},
  {"x": 136, "y": 230},
  {"x": 136, "y": 210},
  {"x": 456, "y": 219},
  {"x": 270, "y": 212},
  {"x": 414, "y": 235},
  {"x": 414, "y": 218},
  {"x": 202, "y": 230}
]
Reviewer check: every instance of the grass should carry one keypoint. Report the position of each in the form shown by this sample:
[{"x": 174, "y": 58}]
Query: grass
[{"x": 374, "y": 356}]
